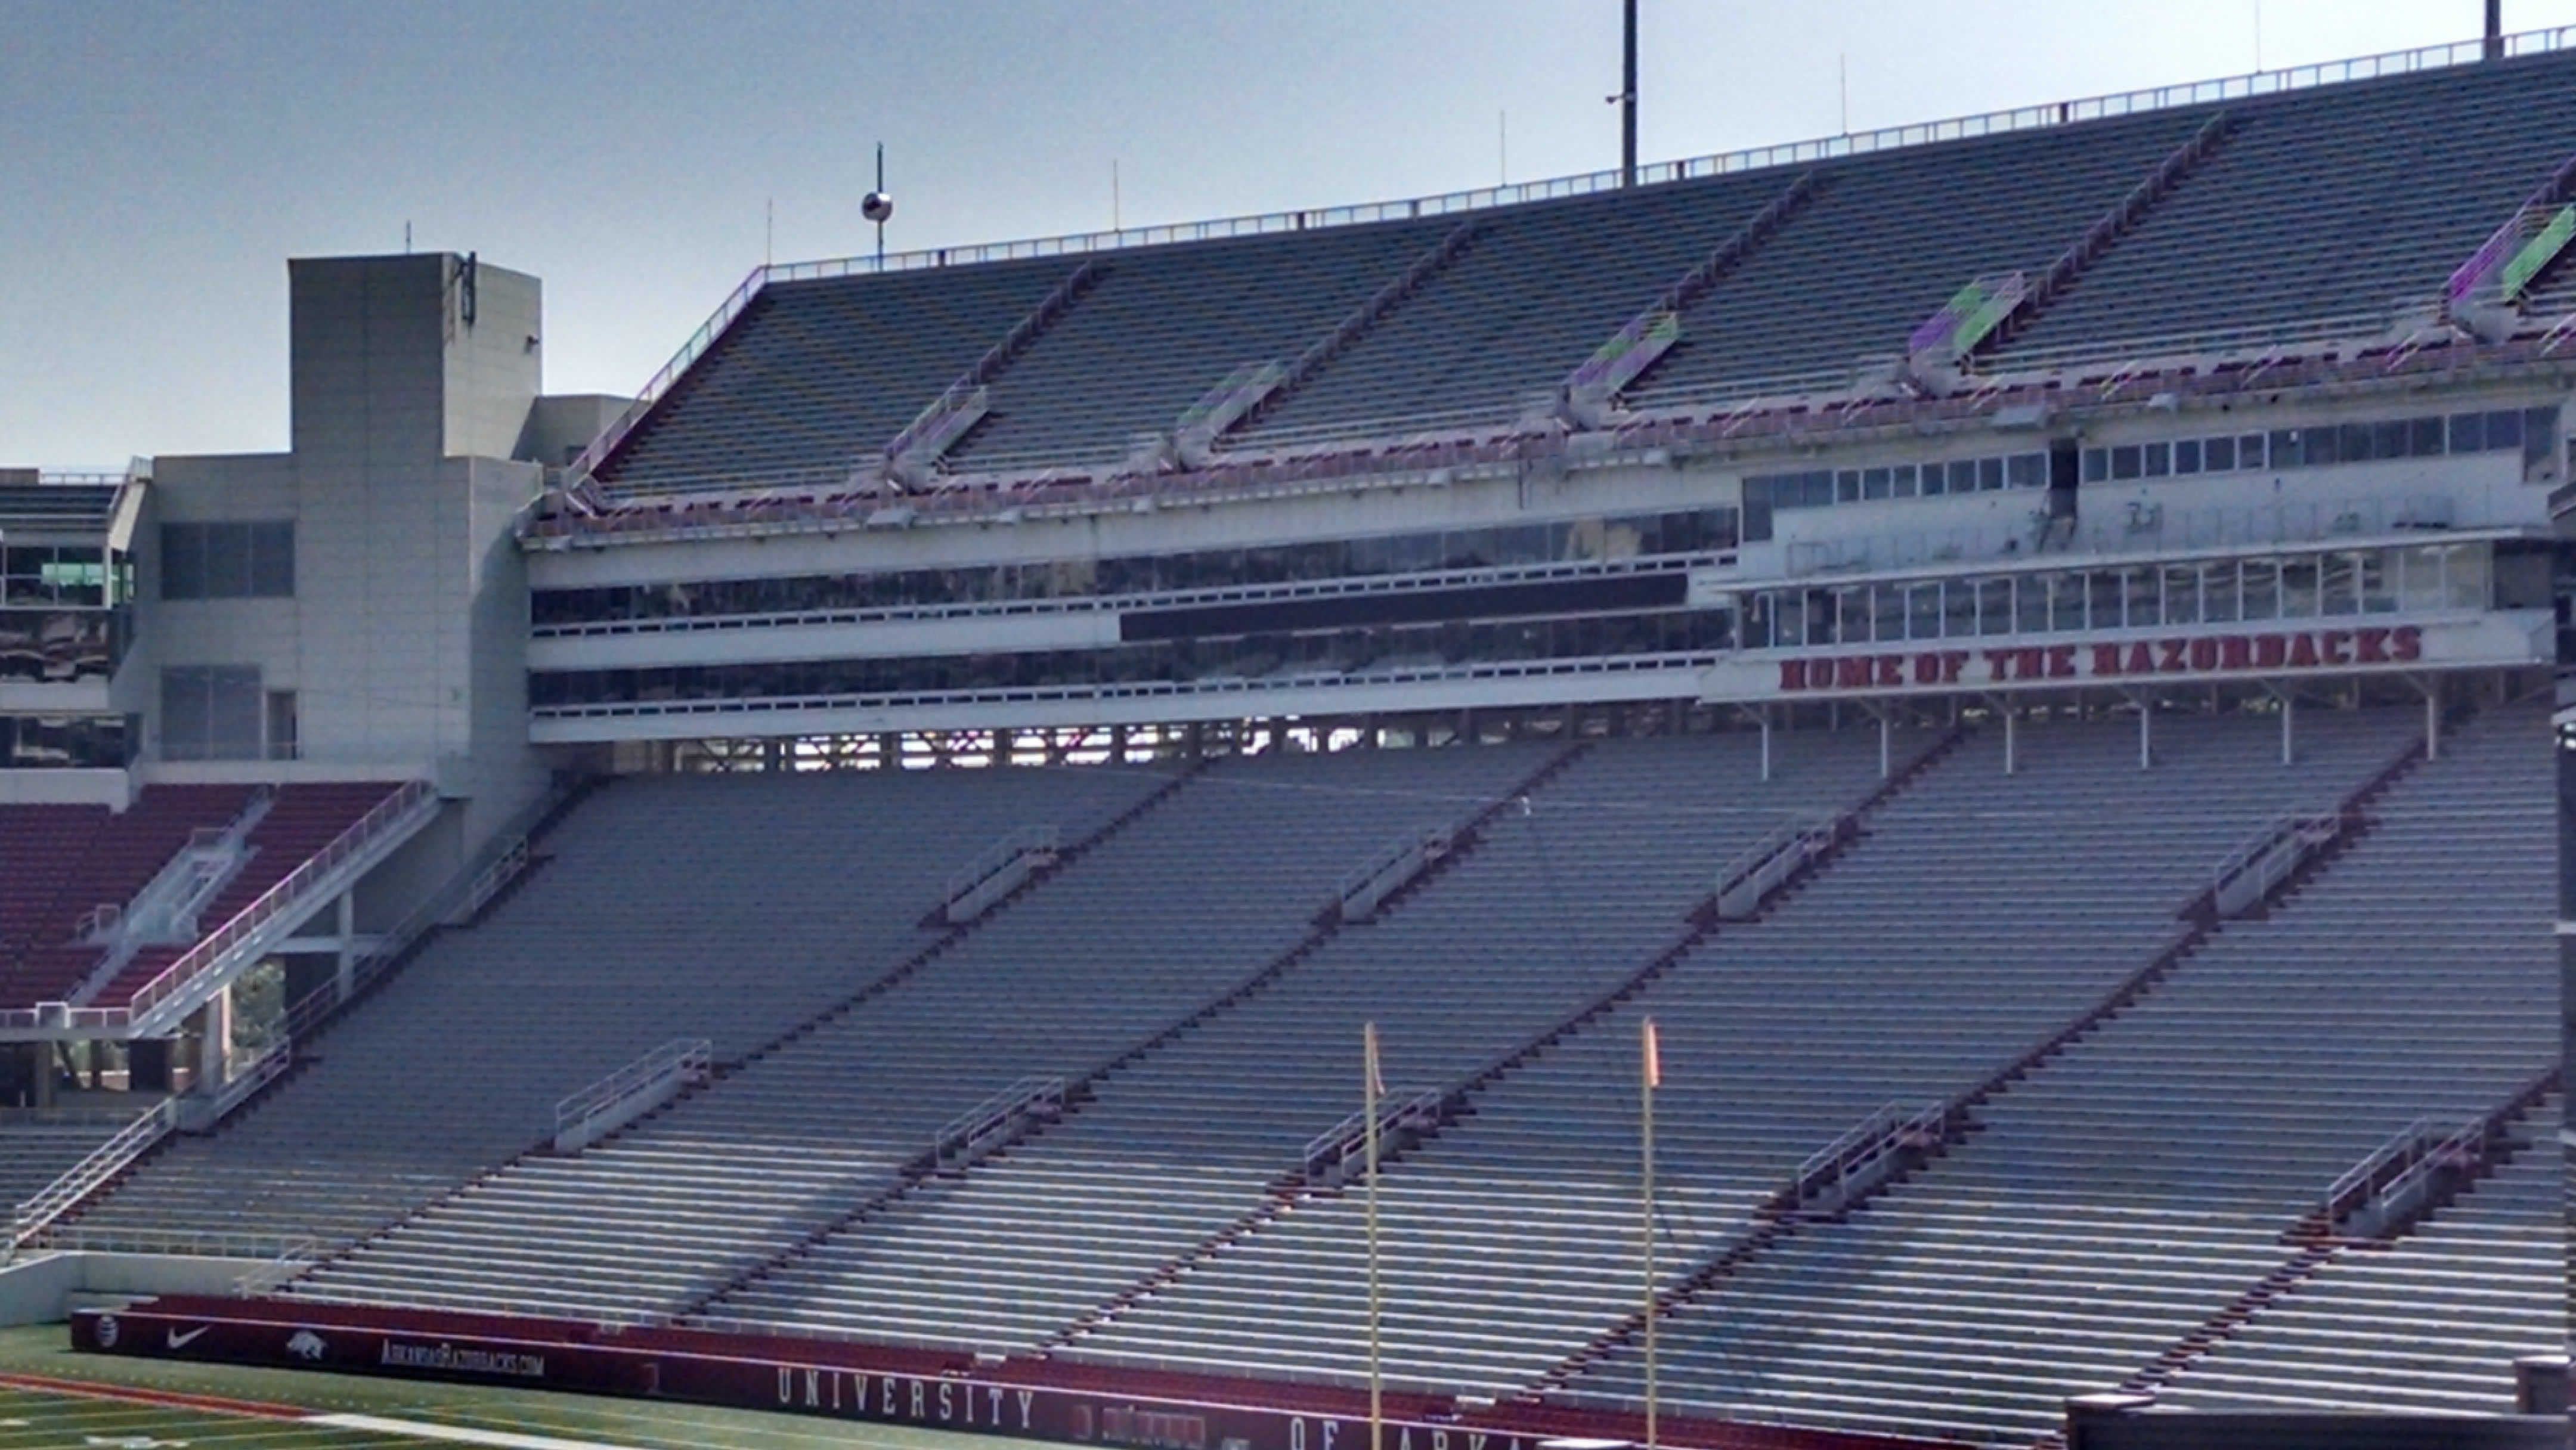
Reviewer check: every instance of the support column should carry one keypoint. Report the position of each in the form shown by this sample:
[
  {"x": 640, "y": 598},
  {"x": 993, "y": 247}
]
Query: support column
[
  {"x": 2012, "y": 742},
  {"x": 212, "y": 1026},
  {"x": 40, "y": 1064},
  {"x": 2432, "y": 688},
  {"x": 1766, "y": 742},
  {"x": 2289, "y": 729},
  {"x": 346, "y": 973},
  {"x": 2146, "y": 736},
  {"x": 1886, "y": 745}
]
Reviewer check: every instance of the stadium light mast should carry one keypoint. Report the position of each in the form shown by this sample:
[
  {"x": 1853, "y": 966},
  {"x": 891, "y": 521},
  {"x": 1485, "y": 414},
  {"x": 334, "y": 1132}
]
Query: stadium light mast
[
  {"x": 2495, "y": 30},
  {"x": 1628, "y": 95},
  {"x": 879, "y": 205}
]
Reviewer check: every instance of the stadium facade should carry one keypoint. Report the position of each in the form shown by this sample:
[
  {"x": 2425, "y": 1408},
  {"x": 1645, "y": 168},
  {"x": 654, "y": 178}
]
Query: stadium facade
[{"x": 2051, "y": 619}]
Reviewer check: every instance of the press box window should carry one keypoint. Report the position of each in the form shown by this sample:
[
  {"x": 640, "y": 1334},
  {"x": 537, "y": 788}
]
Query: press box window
[
  {"x": 228, "y": 561},
  {"x": 211, "y": 712}
]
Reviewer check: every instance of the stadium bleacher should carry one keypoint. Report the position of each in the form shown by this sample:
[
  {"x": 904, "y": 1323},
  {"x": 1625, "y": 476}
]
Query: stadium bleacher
[
  {"x": 2107, "y": 1206},
  {"x": 2417, "y": 1324},
  {"x": 700, "y": 907},
  {"x": 2327, "y": 205},
  {"x": 117, "y": 857}
]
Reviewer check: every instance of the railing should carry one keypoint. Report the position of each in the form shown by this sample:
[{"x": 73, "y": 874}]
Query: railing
[
  {"x": 294, "y": 1258},
  {"x": 1756, "y": 871},
  {"x": 1062, "y": 296},
  {"x": 288, "y": 894},
  {"x": 2508, "y": 240},
  {"x": 2257, "y": 865},
  {"x": 588, "y": 1114},
  {"x": 1890, "y": 138},
  {"x": 1387, "y": 869},
  {"x": 2398, "y": 1167},
  {"x": 83, "y": 1178},
  {"x": 1001, "y": 868},
  {"x": 696, "y": 347},
  {"x": 966, "y": 1135},
  {"x": 1330, "y": 1153},
  {"x": 211, "y": 1244},
  {"x": 1861, "y": 1150}
]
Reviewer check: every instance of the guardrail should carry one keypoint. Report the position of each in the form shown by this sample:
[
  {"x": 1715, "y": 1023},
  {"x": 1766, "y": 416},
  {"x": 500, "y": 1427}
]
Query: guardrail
[
  {"x": 2397, "y": 1168},
  {"x": 1861, "y": 1152},
  {"x": 999, "y": 870},
  {"x": 966, "y": 1135},
  {"x": 1329, "y": 1154},
  {"x": 297, "y": 1256},
  {"x": 2257, "y": 865},
  {"x": 588, "y": 1114},
  {"x": 1386, "y": 871},
  {"x": 413, "y": 799},
  {"x": 83, "y": 1178},
  {"x": 1747, "y": 880}
]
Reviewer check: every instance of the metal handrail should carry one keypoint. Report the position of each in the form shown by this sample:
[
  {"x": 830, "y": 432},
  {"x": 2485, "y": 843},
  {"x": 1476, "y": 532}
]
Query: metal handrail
[
  {"x": 1423, "y": 839},
  {"x": 1336, "y": 1146},
  {"x": 689, "y": 1058},
  {"x": 1036, "y": 838},
  {"x": 289, "y": 890},
  {"x": 104, "y": 1162},
  {"x": 1786, "y": 833},
  {"x": 1864, "y": 1142},
  {"x": 2414, "y": 1151},
  {"x": 971, "y": 1127},
  {"x": 296, "y": 1256},
  {"x": 2261, "y": 849}
]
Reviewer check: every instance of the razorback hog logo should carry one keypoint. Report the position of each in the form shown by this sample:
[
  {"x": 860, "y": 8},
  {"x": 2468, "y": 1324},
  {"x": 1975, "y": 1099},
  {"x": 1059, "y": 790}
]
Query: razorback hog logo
[{"x": 306, "y": 1345}]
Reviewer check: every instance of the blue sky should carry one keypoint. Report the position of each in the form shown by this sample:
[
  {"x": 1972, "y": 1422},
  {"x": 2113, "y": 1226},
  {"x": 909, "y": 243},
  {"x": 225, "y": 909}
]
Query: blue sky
[{"x": 161, "y": 161}]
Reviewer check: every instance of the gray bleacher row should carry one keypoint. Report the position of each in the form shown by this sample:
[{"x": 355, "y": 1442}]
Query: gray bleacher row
[
  {"x": 1191, "y": 899},
  {"x": 37, "y": 1148},
  {"x": 2345, "y": 200},
  {"x": 2112, "y": 1202},
  {"x": 1952, "y": 938},
  {"x": 2424, "y": 1323},
  {"x": 717, "y": 907},
  {"x": 2325, "y": 202},
  {"x": 1556, "y": 906}
]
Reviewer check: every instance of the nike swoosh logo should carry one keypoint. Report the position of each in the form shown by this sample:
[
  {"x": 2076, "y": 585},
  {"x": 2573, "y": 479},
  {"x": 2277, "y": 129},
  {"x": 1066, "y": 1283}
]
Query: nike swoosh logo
[{"x": 182, "y": 1341}]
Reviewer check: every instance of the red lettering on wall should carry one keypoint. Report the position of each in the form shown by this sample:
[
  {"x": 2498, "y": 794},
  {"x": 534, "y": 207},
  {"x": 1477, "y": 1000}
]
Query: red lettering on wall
[
  {"x": 2270, "y": 650},
  {"x": 2406, "y": 643},
  {"x": 2142, "y": 660},
  {"x": 2204, "y": 654},
  {"x": 1891, "y": 670},
  {"x": 2303, "y": 651},
  {"x": 2106, "y": 659},
  {"x": 2235, "y": 652},
  {"x": 2336, "y": 646},
  {"x": 2370, "y": 646},
  {"x": 1793, "y": 675},
  {"x": 2061, "y": 662}
]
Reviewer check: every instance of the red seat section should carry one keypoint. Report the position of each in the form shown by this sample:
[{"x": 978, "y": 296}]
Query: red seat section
[{"x": 108, "y": 862}]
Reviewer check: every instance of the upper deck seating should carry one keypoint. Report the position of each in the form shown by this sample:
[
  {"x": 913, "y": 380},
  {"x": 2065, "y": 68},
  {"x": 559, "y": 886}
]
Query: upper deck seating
[{"x": 2341, "y": 201}]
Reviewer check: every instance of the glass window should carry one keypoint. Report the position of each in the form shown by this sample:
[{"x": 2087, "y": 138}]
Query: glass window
[
  {"x": 2066, "y": 594},
  {"x": 2186, "y": 456},
  {"x": 211, "y": 712},
  {"x": 2464, "y": 571},
  {"x": 2182, "y": 594},
  {"x": 2107, "y": 589},
  {"x": 2218, "y": 592},
  {"x": 2468, "y": 432},
  {"x": 2249, "y": 451},
  {"x": 2298, "y": 588},
  {"x": 2504, "y": 430},
  {"x": 2337, "y": 583},
  {"x": 1995, "y": 606},
  {"x": 2097, "y": 464},
  {"x": 2539, "y": 426},
  {"x": 2424, "y": 437},
  {"x": 2284, "y": 449},
  {"x": 2030, "y": 602},
  {"x": 1935, "y": 480},
  {"x": 2219, "y": 454},
  {"x": 1887, "y": 605},
  {"x": 2259, "y": 581},
  {"x": 1847, "y": 485},
  {"x": 2159, "y": 460},
  {"x": 1990, "y": 474},
  {"x": 1958, "y": 608},
  {"x": 2357, "y": 442},
  {"x": 1874, "y": 483},
  {"x": 2126, "y": 462},
  {"x": 2029, "y": 470},
  {"x": 1923, "y": 613},
  {"x": 2320, "y": 446},
  {"x": 1905, "y": 479},
  {"x": 1963, "y": 475},
  {"x": 2142, "y": 588}
]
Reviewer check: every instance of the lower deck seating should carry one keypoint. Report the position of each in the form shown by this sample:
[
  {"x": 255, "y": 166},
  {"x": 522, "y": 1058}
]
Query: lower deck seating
[
  {"x": 1955, "y": 935},
  {"x": 1173, "y": 911},
  {"x": 1561, "y": 901},
  {"x": 711, "y": 907},
  {"x": 2113, "y": 1201},
  {"x": 2432, "y": 1322}
]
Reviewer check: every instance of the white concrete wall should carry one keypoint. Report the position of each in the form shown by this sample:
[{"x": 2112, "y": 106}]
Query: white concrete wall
[{"x": 40, "y": 1289}]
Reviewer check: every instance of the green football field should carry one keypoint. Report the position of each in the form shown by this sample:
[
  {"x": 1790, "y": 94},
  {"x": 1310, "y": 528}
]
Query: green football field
[{"x": 352, "y": 1412}]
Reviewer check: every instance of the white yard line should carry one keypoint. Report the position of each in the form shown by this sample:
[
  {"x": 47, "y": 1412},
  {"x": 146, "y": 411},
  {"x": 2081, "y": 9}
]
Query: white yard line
[{"x": 461, "y": 1434}]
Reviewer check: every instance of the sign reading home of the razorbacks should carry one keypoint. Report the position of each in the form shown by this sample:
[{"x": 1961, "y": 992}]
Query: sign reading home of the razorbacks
[{"x": 2133, "y": 657}]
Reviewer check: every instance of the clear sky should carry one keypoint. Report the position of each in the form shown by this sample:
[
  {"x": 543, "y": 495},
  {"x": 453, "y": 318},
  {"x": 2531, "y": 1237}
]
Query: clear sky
[{"x": 159, "y": 162}]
